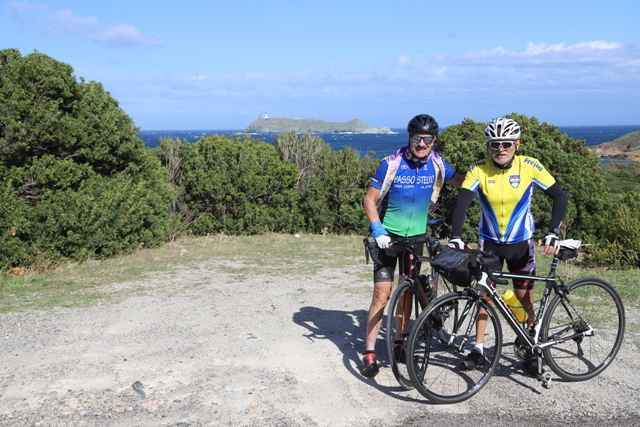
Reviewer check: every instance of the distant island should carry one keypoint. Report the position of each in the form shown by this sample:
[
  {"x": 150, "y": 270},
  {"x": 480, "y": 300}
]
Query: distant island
[
  {"x": 627, "y": 147},
  {"x": 266, "y": 124}
]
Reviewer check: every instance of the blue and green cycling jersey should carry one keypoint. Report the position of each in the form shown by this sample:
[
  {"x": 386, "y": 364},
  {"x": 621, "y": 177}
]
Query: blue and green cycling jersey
[{"x": 404, "y": 210}]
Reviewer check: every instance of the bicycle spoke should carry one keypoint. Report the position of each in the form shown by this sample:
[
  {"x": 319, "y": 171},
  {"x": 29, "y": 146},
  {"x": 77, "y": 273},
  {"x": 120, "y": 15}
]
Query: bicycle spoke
[
  {"x": 587, "y": 326},
  {"x": 438, "y": 351},
  {"x": 401, "y": 316}
]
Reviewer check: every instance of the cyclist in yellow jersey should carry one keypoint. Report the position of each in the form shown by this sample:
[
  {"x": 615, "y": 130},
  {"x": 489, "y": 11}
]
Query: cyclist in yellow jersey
[{"x": 504, "y": 184}]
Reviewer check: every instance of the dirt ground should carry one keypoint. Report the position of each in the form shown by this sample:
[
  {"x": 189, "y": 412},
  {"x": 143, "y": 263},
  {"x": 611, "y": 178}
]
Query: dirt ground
[{"x": 196, "y": 347}]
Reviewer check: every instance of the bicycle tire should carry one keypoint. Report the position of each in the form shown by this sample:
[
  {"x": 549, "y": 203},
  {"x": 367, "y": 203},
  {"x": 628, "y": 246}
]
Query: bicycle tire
[
  {"x": 436, "y": 369},
  {"x": 396, "y": 329},
  {"x": 595, "y": 302}
]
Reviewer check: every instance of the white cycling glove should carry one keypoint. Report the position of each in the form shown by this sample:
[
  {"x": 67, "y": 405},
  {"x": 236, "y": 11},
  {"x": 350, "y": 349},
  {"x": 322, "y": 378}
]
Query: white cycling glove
[
  {"x": 380, "y": 234},
  {"x": 383, "y": 241},
  {"x": 552, "y": 240},
  {"x": 456, "y": 244}
]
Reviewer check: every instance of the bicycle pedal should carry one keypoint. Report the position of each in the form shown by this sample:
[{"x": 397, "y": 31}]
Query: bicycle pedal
[{"x": 546, "y": 381}]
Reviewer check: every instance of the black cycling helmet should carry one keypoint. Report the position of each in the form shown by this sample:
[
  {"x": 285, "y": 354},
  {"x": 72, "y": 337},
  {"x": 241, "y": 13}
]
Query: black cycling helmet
[{"x": 423, "y": 123}]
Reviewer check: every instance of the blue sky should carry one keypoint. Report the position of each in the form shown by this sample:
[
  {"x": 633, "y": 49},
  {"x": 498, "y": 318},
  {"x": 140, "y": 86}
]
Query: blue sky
[{"x": 219, "y": 64}]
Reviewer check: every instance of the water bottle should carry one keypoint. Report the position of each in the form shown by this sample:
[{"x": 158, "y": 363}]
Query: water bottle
[
  {"x": 514, "y": 304},
  {"x": 427, "y": 287}
]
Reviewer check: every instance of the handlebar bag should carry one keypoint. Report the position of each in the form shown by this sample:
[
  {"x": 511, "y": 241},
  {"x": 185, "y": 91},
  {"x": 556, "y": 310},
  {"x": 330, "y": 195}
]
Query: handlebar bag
[{"x": 456, "y": 265}]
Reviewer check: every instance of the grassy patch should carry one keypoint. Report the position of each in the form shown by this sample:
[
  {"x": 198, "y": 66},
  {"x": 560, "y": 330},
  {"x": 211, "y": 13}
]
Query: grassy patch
[
  {"x": 80, "y": 284},
  {"x": 621, "y": 177}
]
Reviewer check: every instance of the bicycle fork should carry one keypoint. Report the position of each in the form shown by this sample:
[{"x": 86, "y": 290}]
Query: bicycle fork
[{"x": 472, "y": 307}]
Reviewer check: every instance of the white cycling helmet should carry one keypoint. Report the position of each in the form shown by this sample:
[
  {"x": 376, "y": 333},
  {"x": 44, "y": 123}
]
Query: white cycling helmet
[{"x": 502, "y": 130}]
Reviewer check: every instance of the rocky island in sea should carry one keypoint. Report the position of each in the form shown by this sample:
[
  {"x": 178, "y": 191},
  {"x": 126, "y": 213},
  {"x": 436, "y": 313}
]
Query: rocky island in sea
[
  {"x": 266, "y": 124},
  {"x": 627, "y": 147}
]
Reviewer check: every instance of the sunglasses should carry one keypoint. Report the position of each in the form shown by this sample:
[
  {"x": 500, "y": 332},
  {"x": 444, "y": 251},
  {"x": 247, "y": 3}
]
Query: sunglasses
[
  {"x": 417, "y": 138},
  {"x": 495, "y": 145}
]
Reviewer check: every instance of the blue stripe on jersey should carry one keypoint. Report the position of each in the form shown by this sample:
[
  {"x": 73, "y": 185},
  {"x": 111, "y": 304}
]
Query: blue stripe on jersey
[
  {"x": 515, "y": 231},
  {"x": 540, "y": 184},
  {"x": 488, "y": 218}
]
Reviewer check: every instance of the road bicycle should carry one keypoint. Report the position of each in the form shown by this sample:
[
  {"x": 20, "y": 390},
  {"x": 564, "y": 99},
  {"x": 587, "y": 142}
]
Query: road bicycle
[
  {"x": 411, "y": 295},
  {"x": 578, "y": 329}
]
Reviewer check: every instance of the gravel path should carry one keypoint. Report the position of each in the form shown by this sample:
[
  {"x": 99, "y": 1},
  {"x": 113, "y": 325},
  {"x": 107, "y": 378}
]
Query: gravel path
[{"x": 196, "y": 347}]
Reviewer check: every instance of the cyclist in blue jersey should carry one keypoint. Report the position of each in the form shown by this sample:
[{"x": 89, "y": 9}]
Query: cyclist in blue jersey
[
  {"x": 397, "y": 204},
  {"x": 504, "y": 184}
]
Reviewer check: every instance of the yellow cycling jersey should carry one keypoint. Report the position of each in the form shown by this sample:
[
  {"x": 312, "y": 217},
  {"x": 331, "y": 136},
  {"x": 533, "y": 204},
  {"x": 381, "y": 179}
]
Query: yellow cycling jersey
[{"x": 505, "y": 197}]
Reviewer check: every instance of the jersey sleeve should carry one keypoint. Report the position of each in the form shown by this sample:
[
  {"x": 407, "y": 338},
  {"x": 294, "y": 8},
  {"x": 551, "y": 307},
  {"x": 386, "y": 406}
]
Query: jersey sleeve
[
  {"x": 541, "y": 177},
  {"x": 449, "y": 172},
  {"x": 471, "y": 180},
  {"x": 378, "y": 177}
]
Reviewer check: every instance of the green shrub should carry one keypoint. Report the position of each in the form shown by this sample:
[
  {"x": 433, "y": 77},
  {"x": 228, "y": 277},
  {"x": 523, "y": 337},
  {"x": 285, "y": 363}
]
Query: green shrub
[
  {"x": 332, "y": 184},
  {"x": 618, "y": 247},
  {"x": 77, "y": 182},
  {"x": 239, "y": 186}
]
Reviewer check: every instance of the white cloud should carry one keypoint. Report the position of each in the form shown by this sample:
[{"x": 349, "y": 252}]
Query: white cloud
[
  {"x": 568, "y": 79},
  {"x": 66, "y": 22},
  {"x": 583, "y": 67},
  {"x": 22, "y": 6},
  {"x": 123, "y": 36},
  {"x": 542, "y": 48},
  {"x": 17, "y": 9}
]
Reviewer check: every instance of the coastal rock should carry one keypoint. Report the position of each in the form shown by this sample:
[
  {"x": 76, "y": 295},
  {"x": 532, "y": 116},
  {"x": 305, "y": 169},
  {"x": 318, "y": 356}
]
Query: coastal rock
[
  {"x": 627, "y": 147},
  {"x": 266, "y": 124}
]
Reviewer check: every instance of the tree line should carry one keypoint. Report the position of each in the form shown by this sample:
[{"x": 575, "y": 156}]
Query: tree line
[{"x": 77, "y": 182}]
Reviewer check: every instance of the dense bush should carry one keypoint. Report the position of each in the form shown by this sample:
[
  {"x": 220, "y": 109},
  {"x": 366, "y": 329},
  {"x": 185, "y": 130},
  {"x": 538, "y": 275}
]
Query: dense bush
[
  {"x": 246, "y": 186},
  {"x": 332, "y": 183},
  {"x": 333, "y": 200},
  {"x": 618, "y": 246},
  {"x": 76, "y": 181},
  {"x": 239, "y": 186}
]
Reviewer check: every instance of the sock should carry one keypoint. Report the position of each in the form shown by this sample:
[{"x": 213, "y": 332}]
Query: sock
[
  {"x": 480, "y": 347},
  {"x": 369, "y": 351}
]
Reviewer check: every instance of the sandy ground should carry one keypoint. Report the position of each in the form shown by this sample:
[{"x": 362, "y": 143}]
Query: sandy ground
[{"x": 197, "y": 348}]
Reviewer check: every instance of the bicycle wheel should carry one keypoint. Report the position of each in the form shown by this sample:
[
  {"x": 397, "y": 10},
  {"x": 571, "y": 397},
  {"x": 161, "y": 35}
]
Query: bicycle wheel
[
  {"x": 594, "y": 307},
  {"x": 401, "y": 316},
  {"x": 441, "y": 286},
  {"x": 439, "y": 350}
]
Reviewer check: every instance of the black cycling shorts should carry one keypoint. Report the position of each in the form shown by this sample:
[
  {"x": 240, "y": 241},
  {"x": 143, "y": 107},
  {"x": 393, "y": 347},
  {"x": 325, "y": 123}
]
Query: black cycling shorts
[
  {"x": 520, "y": 258},
  {"x": 389, "y": 259}
]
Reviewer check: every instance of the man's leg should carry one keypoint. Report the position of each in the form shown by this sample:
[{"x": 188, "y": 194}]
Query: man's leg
[
  {"x": 525, "y": 296},
  {"x": 524, "y": 261},
  {"x": 381, "y": 294},
  {"x": 476, "y": 357}
]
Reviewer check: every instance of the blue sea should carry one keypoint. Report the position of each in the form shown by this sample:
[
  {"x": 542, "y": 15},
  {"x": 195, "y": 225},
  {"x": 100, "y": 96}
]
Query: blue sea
[{"x": 382, "y": 144}]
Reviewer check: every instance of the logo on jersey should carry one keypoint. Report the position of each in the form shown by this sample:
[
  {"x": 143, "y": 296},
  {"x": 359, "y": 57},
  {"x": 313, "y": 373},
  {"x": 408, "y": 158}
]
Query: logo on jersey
[
  {"x": 514, "y": 180},
  {"x": 534, "y": 164}
]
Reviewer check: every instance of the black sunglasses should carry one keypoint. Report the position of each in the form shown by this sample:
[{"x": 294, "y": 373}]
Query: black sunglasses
[
  {"x": 497, "y": 144},
  {"x": 417, "y": 138}
]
